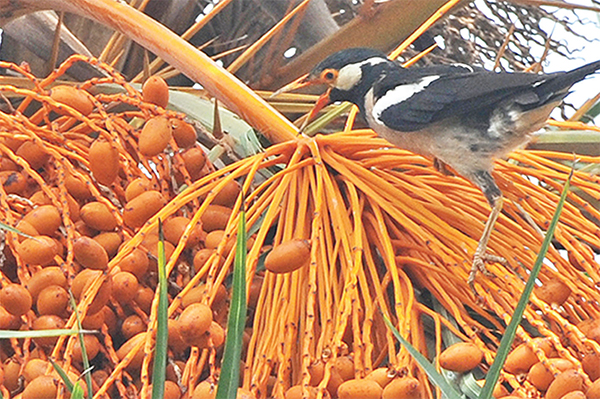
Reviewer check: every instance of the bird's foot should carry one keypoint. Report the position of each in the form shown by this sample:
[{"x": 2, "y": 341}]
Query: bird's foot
[{"x": 478, "y": 265}]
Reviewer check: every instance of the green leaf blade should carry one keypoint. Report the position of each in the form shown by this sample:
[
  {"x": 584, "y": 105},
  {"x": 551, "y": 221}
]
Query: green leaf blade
[
  {"x": 230, "y": 368},
  {"x": 511, "y": 330},
  {"x": 7, "y": 334},
  {"x": 84, "y": 357},
  {"x": 63, "y": 376},
  {"x": 6, "y": 227},
  {"x": 436, "y": 378},
  {"x": 162, "y": 319},
  {"x": 77, "y": 392}
]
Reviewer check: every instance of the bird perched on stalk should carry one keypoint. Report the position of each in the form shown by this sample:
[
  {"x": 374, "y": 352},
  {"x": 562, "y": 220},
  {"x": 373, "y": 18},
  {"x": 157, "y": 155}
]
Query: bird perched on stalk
[{"x": 463, "y": 116}]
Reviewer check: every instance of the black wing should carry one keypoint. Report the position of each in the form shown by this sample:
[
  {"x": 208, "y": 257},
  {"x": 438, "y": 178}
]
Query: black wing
[
  {"x": 456, "y": 94},
  {"x": 459, "y": 93}
]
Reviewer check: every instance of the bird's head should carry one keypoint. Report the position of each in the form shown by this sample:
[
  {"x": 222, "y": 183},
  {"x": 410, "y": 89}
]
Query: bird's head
[{"x": 348, "y": 74}]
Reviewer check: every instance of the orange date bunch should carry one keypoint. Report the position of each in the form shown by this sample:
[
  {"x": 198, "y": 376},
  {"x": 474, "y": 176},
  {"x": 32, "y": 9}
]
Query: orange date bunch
[{"x": 82, "y": 172}]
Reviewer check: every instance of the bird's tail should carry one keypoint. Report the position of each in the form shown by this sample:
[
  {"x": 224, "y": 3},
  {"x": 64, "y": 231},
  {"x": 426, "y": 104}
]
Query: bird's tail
[
  {"x": 562, "y": 81},
  {"x": 578, "y": 74}
]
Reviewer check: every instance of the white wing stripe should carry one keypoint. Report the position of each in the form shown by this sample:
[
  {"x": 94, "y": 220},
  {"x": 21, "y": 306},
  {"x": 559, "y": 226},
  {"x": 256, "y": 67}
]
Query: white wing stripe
[{"x": 400, "y": 94}]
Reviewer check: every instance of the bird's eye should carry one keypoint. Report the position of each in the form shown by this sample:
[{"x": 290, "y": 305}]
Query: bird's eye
[{"x": 329, "y": 75}]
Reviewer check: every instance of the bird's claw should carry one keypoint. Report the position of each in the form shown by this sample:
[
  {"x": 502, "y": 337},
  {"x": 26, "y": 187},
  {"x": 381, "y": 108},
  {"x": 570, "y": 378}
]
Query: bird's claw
[{"x": 479, "y": 261}]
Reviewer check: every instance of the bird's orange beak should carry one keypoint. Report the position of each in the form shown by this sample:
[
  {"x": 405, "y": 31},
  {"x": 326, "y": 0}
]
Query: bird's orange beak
[
  {"x": 303, "y": 81},
  {"x": 321, "y": 103},
  {"x": 306, "y": 81}
]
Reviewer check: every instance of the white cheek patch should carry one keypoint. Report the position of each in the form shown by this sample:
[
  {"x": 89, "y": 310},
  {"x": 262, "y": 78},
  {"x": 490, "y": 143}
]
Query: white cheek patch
[
  {"x": 400, "y": 94},
  {"x": 348, "y": 76},
  {"x": 351, "y": 74}
]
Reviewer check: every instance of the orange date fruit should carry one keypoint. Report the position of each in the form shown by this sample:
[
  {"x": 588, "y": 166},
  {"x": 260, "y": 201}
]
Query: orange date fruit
[
  {"x": 155, "y": 136},
  {"x": 156, "y": 91},
  {"x": 104, "y": 162},
  {"x": 73, "y": 97},
  {"x": 289, "y": 256}
]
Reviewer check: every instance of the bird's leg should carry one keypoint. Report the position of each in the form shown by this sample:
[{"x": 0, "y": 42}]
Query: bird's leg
[
  {"x": 494, "y": 196},
  {"x": 480, "y": 256}
]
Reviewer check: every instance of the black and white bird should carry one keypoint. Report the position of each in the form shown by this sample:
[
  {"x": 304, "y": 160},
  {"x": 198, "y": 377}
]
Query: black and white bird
[{"x": 463, "y": 116}]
